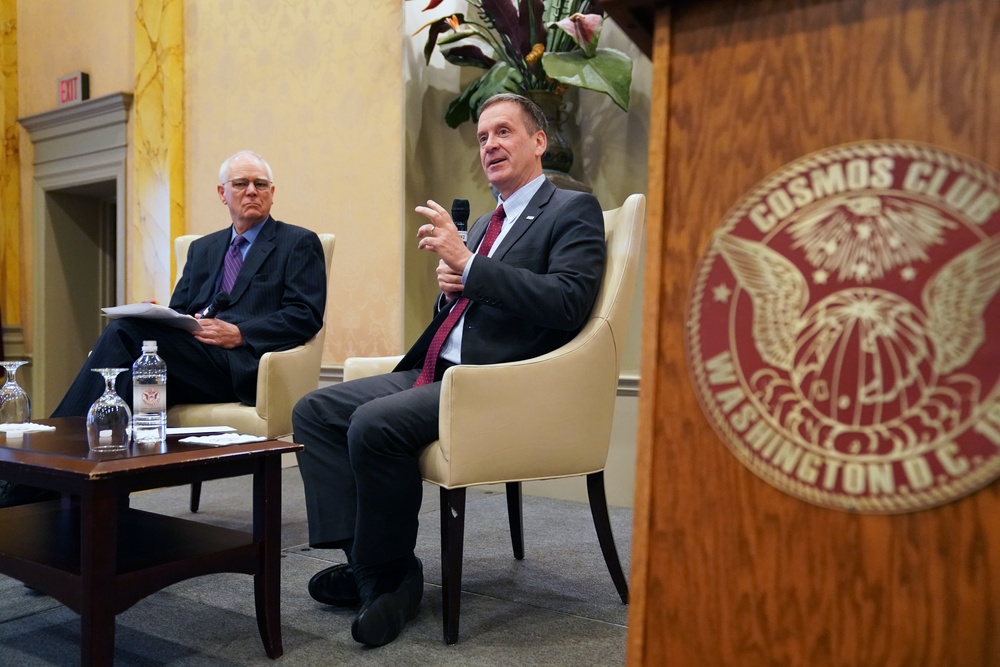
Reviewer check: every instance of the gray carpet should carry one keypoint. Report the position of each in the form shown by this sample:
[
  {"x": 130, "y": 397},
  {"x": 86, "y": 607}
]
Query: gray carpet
[{"x": 558, "y": 606}]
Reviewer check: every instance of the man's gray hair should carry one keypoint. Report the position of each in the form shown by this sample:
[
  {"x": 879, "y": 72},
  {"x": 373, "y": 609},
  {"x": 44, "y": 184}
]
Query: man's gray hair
[{"x": 224, "y": 169}]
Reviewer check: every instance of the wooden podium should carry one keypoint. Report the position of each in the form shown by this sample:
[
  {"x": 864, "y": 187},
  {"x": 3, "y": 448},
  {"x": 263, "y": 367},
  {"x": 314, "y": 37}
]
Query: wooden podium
[{"x": 726, "y": 569}]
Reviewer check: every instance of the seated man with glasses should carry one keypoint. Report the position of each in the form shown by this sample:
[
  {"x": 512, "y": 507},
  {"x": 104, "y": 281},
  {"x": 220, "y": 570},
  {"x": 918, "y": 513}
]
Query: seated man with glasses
[
  {"x": 276, "y": 286},
  {"x": 275, "y": 277}
]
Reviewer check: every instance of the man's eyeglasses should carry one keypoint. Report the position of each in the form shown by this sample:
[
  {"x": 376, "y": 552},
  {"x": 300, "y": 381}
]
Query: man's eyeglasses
[{"x": 242, "y": 184}]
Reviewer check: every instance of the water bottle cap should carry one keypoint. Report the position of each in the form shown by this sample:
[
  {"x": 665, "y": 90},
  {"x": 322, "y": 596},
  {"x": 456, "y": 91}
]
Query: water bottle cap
[{"x": 148, "y": 346}]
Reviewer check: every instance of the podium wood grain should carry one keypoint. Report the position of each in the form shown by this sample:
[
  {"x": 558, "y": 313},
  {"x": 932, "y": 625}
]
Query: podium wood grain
[{"x": 726, "y": 569}]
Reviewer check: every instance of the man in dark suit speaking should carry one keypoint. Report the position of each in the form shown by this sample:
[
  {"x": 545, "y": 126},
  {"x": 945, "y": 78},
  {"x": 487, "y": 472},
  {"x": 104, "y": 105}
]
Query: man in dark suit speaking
[
  {"x": 524, "y": 286},
  {"x": 277, "y": 295}
]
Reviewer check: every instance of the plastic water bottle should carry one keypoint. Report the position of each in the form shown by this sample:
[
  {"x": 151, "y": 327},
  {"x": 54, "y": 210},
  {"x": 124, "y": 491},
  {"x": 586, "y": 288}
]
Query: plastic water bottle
[{"x": 149, "y": 396}]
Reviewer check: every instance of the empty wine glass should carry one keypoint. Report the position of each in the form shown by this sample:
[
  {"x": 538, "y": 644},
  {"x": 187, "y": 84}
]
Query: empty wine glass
[
  {"x": 15, "y": 407},
  {"x": 109, "y": 421}
]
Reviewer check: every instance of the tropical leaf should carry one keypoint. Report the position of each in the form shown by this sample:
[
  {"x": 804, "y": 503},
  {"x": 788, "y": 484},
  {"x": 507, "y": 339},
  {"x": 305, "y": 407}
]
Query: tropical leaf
[
  {"x": 608, "y": 71},
  {"x": 503, "y": 14},
  {"x": 468, "y": 56},
  {"x": 465, "y": 31},
  {"x": 437, "y": 28},
  {"x": 501, "y": 78},
  {"x": 532, "y": 12}
]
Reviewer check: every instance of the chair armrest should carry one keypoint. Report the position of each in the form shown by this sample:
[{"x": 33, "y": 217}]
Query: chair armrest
[
  {"x": 286, "y": 376},
  {"x": 360, "y": 367},
  {"x": 517, "y": 421}
]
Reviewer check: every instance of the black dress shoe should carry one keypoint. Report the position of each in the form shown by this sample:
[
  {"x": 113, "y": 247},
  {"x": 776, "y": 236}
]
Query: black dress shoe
[
  {"x": 382, "y": 618},
  {"x": 335, "y": 586}
]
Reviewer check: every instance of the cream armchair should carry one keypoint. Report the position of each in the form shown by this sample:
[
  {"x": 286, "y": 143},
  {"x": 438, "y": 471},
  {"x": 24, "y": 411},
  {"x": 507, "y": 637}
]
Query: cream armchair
[
  {"x": 555, "y": 419},
  {"x": 282, "y": 379}
]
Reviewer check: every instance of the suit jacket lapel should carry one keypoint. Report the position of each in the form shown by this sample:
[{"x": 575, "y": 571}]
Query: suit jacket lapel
[{"x": 215, "y": 257}]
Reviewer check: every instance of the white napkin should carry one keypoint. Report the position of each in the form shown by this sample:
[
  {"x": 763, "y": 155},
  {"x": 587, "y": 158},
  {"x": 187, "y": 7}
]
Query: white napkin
[
  {"x": 223, "y": 439},
  {"x": 195, "y": 430},
  {"x": 27, "y": 427}
]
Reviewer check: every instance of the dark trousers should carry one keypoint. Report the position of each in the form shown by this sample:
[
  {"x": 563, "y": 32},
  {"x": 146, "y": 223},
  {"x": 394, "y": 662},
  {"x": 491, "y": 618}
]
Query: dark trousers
[
  {"x": 360, "y": 463},
  {"x": 196, "y": 373}
]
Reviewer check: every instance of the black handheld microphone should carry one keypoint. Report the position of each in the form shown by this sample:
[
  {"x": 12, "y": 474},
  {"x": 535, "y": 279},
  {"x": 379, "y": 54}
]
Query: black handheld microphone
[
  {"x": 460, "y": 214},
  {"x": 219, "y": 303}
]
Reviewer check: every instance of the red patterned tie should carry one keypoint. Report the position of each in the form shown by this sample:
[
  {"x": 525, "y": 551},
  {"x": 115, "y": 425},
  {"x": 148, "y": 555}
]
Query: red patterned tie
[
  {"x": 234, "y": 260},
  {"x": 430, "y": 361}
]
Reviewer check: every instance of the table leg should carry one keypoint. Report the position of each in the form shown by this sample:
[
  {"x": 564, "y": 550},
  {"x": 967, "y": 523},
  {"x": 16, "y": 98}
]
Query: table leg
[
  {"x": 267, "y": 533},
  {"x": 98, "y": 564}
]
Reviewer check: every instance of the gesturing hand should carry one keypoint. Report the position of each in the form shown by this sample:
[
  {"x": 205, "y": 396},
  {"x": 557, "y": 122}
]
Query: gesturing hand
[{"x": 440, "y": 236}]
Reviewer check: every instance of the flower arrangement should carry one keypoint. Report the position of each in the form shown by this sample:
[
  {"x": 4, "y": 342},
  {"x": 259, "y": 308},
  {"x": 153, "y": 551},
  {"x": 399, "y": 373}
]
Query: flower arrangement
[{"x": 530, "y": 45}]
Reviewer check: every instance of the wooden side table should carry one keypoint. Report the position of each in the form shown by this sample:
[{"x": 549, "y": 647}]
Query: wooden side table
[{"x": 99, "y": 557}]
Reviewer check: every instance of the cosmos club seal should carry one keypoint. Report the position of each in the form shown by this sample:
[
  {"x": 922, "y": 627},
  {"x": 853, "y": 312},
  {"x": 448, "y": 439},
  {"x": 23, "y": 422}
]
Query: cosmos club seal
[{"x": 843, "y": 329}]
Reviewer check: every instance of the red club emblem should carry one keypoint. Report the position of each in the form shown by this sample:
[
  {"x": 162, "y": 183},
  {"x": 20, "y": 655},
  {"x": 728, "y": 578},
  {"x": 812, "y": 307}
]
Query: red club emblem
[{"x": 842, "y": 328}]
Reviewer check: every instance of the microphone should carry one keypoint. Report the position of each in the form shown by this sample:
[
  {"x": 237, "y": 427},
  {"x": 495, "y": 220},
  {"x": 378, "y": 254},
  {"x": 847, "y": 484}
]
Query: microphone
[
  {"x": 460, "y": 214},
  {"x": 219, "y": 303}
]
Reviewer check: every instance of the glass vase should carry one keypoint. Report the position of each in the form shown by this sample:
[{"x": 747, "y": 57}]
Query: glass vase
[{"x": 558, "y": 154}]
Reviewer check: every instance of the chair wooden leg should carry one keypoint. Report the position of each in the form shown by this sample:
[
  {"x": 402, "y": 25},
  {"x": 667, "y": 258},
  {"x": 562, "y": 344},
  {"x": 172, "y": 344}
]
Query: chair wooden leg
[
  {"x": 195, "y": 496},
  {"x": 516, "y": 516},
  {"x": 452, "y": 541},
  {"x": 602, "y": 522}
]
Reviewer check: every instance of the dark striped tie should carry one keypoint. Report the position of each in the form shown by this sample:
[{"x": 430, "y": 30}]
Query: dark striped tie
[{"x": 234, "y": 260}]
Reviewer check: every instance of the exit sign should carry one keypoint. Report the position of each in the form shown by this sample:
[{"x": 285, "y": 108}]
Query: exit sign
[{"x": 74, "y": 88}]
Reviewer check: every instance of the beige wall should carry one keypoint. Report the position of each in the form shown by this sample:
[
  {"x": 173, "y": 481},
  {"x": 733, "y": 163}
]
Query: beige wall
[
  {"x": 316, "y": 88},
  {"x": 59, "y": 37}
]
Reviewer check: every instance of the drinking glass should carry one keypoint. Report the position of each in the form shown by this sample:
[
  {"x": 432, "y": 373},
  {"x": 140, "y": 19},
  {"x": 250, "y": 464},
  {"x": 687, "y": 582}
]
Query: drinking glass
[
  {"x": 109, "y": 421},
  {"x": 15, "y": 407}
]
